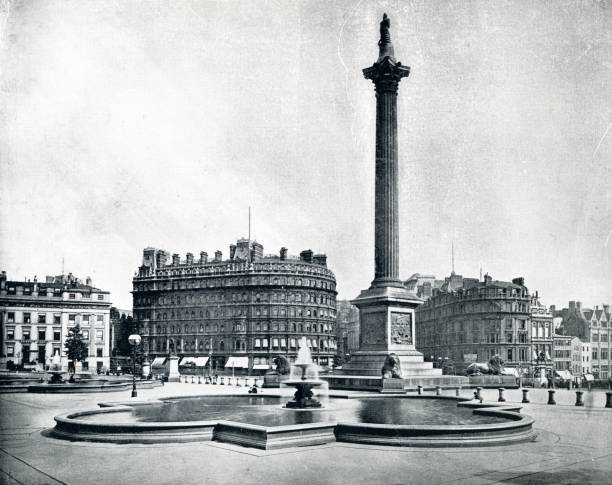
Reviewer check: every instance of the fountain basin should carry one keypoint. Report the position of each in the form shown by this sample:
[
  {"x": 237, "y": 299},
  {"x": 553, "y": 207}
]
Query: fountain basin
[{"x": 262, "y": 423}]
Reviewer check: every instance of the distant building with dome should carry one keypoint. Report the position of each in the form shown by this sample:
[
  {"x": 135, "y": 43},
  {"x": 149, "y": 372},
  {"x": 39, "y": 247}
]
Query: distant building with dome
[{"x": 240, "y": 312}]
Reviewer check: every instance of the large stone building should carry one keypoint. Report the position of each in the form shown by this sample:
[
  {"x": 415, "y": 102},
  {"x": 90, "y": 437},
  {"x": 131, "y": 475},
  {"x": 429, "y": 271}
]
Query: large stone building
[
  {"x": 35, "y": 317},
  {"x": 542, "y": 333},
  {"x": 592, "y": 326},
  {"x": 468, "y": 320},
  {"x": 248, "y": 308}
]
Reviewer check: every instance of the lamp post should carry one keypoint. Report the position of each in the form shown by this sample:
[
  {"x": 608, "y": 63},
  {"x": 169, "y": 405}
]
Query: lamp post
[{"x": 134, "y": 339}]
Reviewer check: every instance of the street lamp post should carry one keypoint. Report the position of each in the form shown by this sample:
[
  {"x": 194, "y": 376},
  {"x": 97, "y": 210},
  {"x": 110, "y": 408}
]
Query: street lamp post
[{"x": 134, "y": 339}]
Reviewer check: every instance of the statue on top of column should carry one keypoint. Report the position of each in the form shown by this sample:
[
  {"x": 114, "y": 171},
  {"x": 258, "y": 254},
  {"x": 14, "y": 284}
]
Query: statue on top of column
[
  {"x": 385, "y": 36},
  {"x": 385, "y": 47}
]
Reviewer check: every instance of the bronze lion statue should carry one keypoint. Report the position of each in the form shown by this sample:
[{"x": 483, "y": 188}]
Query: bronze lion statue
[
  {"x": 282, "y": 365},
  {"x": 495, "y": 366},
  {"x": 392, "y": 368}
]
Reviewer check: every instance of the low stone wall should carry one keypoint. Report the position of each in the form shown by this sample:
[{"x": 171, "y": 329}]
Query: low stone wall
[{"x": 489, "y": 381}]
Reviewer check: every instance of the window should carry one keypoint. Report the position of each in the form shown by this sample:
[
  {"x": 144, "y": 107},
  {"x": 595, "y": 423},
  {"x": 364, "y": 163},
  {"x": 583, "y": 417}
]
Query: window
[
  {"x": 42, "y": 292},
  {"x": 72, "y": 296},
  {"x": 594, "y": 354},
  {"x": 100, "y": 297},
  {"x": 99, "y": 335},
  {"x": 264, "y": 343},
  {"x": 85, "y": 334},
  {"x": 99, "y": 352},
  {"x": 72, "y": 317},
  {"x": 26, "y": 318},
  {"x": 57, "y": 334},
  {"x": 57, "y": 319},
  {"x": 25, "y": 333},
  {"x": 257, "y": 343},
  {"x": 10, "y": 333},
  {"x": 510, "y": 355},
  {"x": 10, "y": 317},
  {"x": 85, "y": 319},
  {"x": 604, "y": 354},
  {"x": 85, "y": 365},
  {"x": 42, "y": 334},
  {"x": 42, "y": 318},
  {"x": 10, "y": 351},
  {"x": 100, "y": 318}
]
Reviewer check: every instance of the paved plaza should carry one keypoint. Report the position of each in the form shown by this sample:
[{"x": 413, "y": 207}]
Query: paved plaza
[{"x": 573, "y": 446}]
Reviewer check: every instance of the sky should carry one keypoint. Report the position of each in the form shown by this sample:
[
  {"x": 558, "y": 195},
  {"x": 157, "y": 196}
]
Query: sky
[{"x": 158, "y": 123}]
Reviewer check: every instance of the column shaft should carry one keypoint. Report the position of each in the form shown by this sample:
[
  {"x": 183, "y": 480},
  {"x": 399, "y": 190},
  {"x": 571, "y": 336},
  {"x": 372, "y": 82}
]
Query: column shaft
[{"x": 386, "y": 188}]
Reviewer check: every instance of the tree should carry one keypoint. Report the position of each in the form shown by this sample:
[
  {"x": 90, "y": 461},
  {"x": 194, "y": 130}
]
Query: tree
[
  {"x": 76, "y": 349},
  {"x": 127, "y": 327}
]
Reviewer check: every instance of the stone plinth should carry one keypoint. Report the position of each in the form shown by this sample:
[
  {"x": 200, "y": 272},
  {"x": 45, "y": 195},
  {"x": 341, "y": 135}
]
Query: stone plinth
[{"x": 172, "y": 370}]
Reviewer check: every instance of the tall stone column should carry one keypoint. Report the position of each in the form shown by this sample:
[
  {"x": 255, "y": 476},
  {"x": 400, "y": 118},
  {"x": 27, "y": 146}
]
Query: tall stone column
[
  {"x": 386, "y": 309},
  {"x": 386, "y": 74}
]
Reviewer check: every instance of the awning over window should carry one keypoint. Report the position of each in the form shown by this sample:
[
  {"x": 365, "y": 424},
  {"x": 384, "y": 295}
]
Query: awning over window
[
  {"x": 238, "y": 362},
  {"x": 158, "y": 362},
  {"x": 261, "y": 366},
  {"x": 201, "y": 361},
  {"x": 564, "y": 374},
  {"x": 589, "y": 377}
]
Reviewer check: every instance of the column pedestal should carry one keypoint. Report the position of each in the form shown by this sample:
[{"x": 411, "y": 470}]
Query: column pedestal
[
  {"x": 172, "y": 369},
  {"x": 386, "y": 316}
]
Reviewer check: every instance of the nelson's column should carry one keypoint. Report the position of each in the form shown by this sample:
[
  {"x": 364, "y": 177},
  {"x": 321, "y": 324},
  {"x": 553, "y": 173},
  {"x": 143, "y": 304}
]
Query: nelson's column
[{"x": 386, "y": 309}]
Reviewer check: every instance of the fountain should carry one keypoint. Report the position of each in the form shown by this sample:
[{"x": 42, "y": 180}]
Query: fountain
[
  {"x": 303, "y": 397},
  {"x": 56, "y": 369}
]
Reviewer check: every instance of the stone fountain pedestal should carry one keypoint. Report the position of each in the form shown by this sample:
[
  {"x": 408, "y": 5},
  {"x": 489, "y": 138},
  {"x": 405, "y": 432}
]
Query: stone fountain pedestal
[{"x": 303, "y": 397}]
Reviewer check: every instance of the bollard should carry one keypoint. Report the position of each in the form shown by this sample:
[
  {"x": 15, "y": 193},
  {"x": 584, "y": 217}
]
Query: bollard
[
  {"x": 438, "y": 390},
  {"x": 551, "y": 396},
  {"x": 579, "y": 401},
  {"x": 230, "y": 381},
  {"x": 477, "y": 394},
  {"x": 525, "y": 398},
  {"x": 222, "y": 381},
  {"x": 200, "y": 381},
  {"x": 458, "y": 391},
  {"x": 501, "y": 397},
  {"x": 193, "y": 379},
  {"x": 609, "y": 399},
  {"x": 420, "y": 390}
]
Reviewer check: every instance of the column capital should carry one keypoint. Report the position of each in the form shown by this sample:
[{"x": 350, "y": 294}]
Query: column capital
[{"x": 387, "y": 71}]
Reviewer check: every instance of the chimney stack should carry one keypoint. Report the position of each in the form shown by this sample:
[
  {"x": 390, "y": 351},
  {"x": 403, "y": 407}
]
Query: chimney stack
[
  {"x": 320, "y": 259},
  {"x": 232, "y": 251},
  {"x": 203, "y": 257},
  {"x": 189, "y": 258},
  {"x": 218, "y": 256},
  {"x": 176, "y": 259},
  {"x": 283, "y": 254},
  {"x": 306, "y": 256},
  {"x": 520, "y": 281},
  {"x": 579, "y": 306},
  {"x": 572, "y": 307}
]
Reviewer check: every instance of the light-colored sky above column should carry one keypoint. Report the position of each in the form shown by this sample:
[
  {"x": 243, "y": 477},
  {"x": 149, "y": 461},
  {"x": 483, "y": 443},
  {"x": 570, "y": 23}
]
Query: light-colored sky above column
[{"x": 157, "y": 123}]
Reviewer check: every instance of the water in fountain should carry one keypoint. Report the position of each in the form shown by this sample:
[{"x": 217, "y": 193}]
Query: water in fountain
[
  {"x": 304, "y": 376},
  {"x": 56, "y": 369}
]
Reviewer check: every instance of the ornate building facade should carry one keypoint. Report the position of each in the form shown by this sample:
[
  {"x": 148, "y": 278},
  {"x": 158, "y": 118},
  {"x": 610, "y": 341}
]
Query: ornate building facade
[
  {"x": 468, "y": 320},
  {"x": 592, "y": 326},
  {"x": 239, "y": 312},
  {"x": 35, "y": 317}
]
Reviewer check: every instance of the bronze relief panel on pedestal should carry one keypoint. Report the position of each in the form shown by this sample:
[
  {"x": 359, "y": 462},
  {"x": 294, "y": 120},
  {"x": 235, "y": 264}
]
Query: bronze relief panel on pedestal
[{"x": 401, "y": 328}]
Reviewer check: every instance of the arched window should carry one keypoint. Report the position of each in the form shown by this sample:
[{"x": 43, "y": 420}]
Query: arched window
[
  {"x": 221, "y": 345},
  {"x": 243, "y": 346}
]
